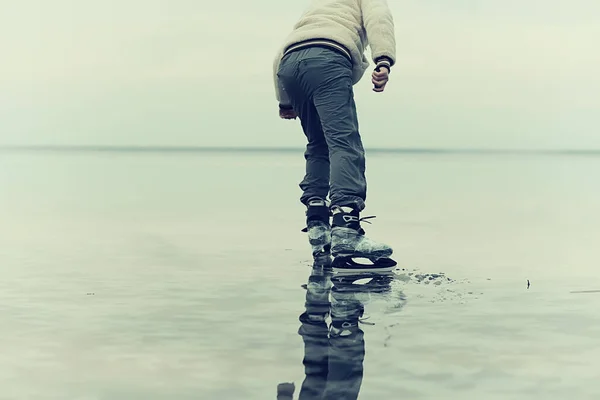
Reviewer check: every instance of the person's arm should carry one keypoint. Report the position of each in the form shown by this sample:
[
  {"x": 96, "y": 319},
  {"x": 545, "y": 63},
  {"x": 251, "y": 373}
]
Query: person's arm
[
  {"x": 280, "y": 94},
  {"x": 379, "y": 26},
  {"x": 286, "y": 111}
]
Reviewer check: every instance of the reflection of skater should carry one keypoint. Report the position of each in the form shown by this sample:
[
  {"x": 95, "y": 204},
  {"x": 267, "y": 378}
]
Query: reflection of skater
[
  {"x": 333, "y": 356},
  {"x": 334, "y": 353},
  {"x": 320, "y": 61}
]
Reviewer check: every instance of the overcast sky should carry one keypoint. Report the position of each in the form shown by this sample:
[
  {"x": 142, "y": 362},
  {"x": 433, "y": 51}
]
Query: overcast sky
[{"x": 470, "y": 73}]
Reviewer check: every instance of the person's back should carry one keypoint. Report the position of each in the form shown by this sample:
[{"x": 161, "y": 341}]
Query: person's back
[
  {"x": 315, "y": 70},
  {"x": 351, "y": 24}
]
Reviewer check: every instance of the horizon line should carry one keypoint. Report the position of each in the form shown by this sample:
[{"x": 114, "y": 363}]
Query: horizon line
[{"x": 265, "y": 149}]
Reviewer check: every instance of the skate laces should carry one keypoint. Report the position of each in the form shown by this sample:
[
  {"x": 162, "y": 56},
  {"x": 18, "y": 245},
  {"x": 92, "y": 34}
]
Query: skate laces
[
  {"x": 349, "y": 219},
  {"x": 364, "y": 219},
  {"x": 361, "y": 231}
]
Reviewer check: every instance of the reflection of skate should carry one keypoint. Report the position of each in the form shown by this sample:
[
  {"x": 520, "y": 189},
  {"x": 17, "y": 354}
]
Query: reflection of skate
[
  {"x": 365, "y": 282},
  {"x": 319, "y": 231},
  {"x": 318, "y": 288},
  {"x": 348, "y": 242},
  {"x": 351, "y": 292},
  {"x": 315, "y": 333}
]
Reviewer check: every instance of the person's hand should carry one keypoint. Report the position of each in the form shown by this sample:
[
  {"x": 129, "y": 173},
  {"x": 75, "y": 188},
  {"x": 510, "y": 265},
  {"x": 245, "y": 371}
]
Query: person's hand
[
  {"x": 287, "y": 113},
  {"x": 380, "y": 78}
]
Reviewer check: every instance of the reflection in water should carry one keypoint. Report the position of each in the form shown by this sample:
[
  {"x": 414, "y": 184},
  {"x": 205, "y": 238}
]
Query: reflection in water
[{"x": 334, "y": 352}]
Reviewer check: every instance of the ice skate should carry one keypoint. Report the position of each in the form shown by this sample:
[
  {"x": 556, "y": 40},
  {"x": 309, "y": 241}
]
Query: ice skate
[
  {"x": 348, "y": 243},
  {"x": 319, "y": 231}
]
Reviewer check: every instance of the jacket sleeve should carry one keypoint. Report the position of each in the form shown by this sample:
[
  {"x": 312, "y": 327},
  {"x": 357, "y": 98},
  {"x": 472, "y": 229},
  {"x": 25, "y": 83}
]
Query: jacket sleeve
[
  {"x": 280, "y": 93},
  {"x": 379, "y": 26}
]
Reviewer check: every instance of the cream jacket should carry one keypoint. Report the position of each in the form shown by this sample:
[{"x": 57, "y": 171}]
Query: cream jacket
[{"x": 353, "y": 24}]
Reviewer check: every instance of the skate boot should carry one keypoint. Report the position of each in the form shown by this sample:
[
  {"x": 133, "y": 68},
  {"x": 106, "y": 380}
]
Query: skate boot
[
  {"x": 348, "y": 242},
  {"x": 319, "y": 231}
]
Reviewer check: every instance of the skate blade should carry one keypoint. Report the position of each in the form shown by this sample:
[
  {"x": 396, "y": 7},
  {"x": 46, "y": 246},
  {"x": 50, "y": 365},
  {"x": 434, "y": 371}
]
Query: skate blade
[{"x": 348, "y": 265}]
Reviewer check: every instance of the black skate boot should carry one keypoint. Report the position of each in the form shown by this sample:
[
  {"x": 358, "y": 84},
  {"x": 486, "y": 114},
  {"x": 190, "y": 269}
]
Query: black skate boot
[
  {"x": 319, "y": 231},
  {"x": 348, "y": 241}
]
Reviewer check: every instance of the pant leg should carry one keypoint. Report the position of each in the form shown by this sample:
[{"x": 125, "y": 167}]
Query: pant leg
[
  {"x": 327, "y": 79},
  {"x": 316, "y": 179}
]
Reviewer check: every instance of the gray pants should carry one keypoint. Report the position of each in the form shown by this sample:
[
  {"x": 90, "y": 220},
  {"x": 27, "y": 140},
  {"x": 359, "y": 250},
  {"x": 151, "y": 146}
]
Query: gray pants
[{"x": 319, "y": 84}]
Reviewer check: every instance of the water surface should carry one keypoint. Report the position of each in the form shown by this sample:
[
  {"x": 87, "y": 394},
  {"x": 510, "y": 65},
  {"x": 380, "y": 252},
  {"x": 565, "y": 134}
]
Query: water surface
[{"x": 160, "y": 276}]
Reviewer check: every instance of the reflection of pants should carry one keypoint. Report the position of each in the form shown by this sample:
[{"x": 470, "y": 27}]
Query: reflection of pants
[
  {"x": 346, "y": 347},
  {"x": 346, "y": 356},
  {"x": 333, "y": 362},
  {"x": 319, "y": 84},
  {"x": 316, "y": 359}
]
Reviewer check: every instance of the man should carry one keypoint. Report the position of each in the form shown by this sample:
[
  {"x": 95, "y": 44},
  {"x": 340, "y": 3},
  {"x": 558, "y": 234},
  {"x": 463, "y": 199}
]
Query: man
[{"x": 320, "y": 61}]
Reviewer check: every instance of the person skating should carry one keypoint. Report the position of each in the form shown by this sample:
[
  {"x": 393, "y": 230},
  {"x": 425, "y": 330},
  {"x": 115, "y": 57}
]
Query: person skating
[{"x": 314, "y": 71}]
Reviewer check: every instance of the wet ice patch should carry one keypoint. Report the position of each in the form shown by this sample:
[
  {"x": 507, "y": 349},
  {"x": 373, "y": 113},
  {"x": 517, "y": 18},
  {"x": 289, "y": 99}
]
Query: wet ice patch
[
  {"x": 437, "y": 287},
  {"x": 436, "y": 279}
]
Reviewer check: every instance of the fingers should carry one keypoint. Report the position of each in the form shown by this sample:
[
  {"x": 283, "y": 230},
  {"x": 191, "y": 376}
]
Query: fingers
[
  {"x": 288, "y": 114},
  {"x": 381, "y": 73},
  {"x": 379, "y": 79},
  {"x": 379, "y": 84}
]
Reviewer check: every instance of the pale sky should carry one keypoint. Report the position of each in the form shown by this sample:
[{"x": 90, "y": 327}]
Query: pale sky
[{"x": 470, "y": 73}]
